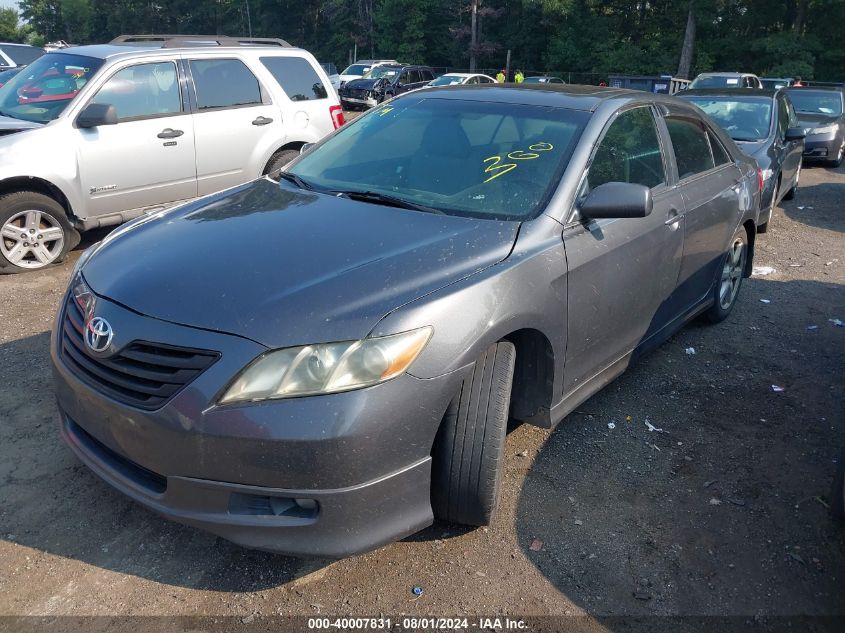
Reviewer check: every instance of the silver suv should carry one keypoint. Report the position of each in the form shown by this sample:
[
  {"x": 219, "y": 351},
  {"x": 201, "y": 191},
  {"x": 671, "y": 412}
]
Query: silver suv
[{"x": 96, "y": 135}]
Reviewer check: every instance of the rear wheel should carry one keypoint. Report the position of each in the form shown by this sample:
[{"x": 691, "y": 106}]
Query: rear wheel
[
  {"x": 468, "y": 456},
  {"x": 730, "y": 278},
  {"x": 278, "y": 161},
  {"x": 34, "y": 232}
]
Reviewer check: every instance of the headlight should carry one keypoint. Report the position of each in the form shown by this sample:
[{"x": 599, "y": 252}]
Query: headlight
[
  {"x": 327, "y": 368},
  {"x": 82, "y": 295},
  {"x": 827, "y": 129}
]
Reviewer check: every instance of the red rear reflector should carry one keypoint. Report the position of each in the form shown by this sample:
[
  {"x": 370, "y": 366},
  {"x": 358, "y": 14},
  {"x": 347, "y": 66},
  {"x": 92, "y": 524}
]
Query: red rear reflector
[{"x": 336, "y": 113}]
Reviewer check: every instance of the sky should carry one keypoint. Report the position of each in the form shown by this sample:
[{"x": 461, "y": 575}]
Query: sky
[{"x": 9, "y": 3}]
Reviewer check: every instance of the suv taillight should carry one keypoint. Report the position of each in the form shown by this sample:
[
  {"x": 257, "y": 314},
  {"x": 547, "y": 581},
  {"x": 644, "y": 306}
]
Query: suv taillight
[
  {"x": 760, "y": 181},
  {"x": 336, "y": 113}
]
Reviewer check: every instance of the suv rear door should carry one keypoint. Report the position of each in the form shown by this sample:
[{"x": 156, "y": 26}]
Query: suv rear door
[
  {"x": 147, "y": 159},
  {"x": 232, "y": 112}
]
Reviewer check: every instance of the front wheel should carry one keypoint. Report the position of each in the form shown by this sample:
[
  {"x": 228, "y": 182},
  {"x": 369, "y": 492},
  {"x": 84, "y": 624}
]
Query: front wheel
[
  {"x": 730, "y": 278},
  {"x": 34, "y": 232},
  {"x": 278, "y": 161},
  {"x": 468, "y": 456}
]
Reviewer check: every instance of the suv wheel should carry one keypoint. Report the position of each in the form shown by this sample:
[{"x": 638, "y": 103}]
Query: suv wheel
[
  {"x": 278, "y": 161},
  {"x": 468, "y": 456},
  {"x": 730, "y": 278},
  {"x": 34, "y": 232}
]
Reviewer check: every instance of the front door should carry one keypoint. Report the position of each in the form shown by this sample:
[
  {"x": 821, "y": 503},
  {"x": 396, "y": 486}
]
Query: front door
[
  {"x": 792, "y": 150},
  {"x": 232, "y": 115},
  {"x": 621, "y": 271},
  {"x": 146, "y": 159}
]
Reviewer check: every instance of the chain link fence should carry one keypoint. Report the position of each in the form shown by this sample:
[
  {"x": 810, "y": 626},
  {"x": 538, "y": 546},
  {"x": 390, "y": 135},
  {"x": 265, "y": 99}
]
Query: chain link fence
[{"x": 593, "y": 79}]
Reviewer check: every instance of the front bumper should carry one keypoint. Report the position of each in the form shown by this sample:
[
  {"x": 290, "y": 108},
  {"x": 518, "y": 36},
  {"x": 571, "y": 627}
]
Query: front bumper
[
  {"x": 821, "y": 149},
  {"x": 359, "y": 461},
  {"x": 369, "y": 102}
]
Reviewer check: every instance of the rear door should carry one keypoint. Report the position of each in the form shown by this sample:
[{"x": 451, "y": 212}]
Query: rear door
[
  {"x": 709, "y": 182},
  {"x": 621, "y": 271},
  {"x": 146, "y": 159},
  {"x": 232, "y": 114}
]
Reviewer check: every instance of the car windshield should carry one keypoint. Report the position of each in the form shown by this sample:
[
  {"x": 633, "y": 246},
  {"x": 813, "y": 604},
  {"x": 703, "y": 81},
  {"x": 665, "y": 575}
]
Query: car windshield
[
  {"x": 44, "y": 89},
  {"x": 716, "y": 81},
  {"x": 378, "y": 72},
  {"x": 469, "y": 158},
  {"x": 21, "y": 54},
  {"x": 447, "y": 80},
  {"x": 775, "y": 84},
  {"x": 356, "y": 69},
  {"x": 743, "y": 118},
  {"x": 816, "y": 101}
]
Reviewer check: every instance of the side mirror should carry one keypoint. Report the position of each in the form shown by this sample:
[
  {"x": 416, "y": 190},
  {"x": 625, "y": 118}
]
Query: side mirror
[
  {"x": 305, "y": 148},
  {"x": 795, "y": 134},
  {"x": 97, "y": 114},
  {"x": 617, "y": 200}
]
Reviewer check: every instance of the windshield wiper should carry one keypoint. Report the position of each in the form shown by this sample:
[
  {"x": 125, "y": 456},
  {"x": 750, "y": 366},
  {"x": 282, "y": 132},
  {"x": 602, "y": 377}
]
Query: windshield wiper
[
  {"x": 299, "y": 182},
  {"x": 390, "y": 201}
]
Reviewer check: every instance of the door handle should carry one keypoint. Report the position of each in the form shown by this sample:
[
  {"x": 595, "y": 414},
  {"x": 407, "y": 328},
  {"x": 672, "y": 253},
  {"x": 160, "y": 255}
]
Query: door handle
[
  {"x": 262, "y": 120},
  {"x": 170, "y": 133},
  {"x": 673, "y": 218}
]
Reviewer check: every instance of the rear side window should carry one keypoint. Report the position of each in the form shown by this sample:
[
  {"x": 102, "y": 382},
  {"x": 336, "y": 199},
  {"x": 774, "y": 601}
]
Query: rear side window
[
  {"x": 297, "y": 78},
  {"x": 692, "y": 150},
  {"x": 629, "y": 152},
  {"x": 427, "y": 75},
  {"x": 224, "y": 83},
  {"x": 720, "y": 154}
]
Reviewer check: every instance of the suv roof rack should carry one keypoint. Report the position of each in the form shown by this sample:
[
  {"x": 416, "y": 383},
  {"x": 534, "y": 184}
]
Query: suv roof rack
[{"x": 183, "y": 41}]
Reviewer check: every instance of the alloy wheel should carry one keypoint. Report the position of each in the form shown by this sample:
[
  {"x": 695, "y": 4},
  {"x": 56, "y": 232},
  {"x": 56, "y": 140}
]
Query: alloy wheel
[
  {"x": 32, "y": 239},
  {"x": 732, "y": 274}
]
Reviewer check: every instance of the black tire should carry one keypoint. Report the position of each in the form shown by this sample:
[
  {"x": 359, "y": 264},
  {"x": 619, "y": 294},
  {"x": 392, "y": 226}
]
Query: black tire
[
  {"x": 722, "y": 305},
  {"x": 12, "y": 206},
  {"x": 468, "y": 456},
  {"x": 837, "y": 490},
  {"x": 836, "y": 162},
  {"x": 279, "y": 160}
]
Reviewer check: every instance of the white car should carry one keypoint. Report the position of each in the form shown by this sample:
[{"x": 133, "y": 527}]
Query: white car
[
  {"x": 94, "y": 136},
  {"x": 455, "y": 79},
  {"x": 361, "y": 68}
]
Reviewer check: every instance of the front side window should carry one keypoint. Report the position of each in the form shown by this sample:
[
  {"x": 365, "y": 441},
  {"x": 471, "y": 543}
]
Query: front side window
[
  {"x": 142, "y": 91},
  {"x": 42, "y": 90},
  {"x": 692, "y": 149},
  {"x": 224, "y": 83},
  {"x": 629, "y": 152},
  {"x": 296, "y": 77},
  {"x": 469, "y": 158}
]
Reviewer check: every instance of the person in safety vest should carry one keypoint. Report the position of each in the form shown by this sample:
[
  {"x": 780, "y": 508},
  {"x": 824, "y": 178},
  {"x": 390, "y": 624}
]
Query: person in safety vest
[{"x": 500, "y": 78}]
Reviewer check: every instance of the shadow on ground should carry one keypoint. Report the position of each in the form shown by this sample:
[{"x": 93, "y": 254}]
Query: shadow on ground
[{"x": 721, "y": 510}]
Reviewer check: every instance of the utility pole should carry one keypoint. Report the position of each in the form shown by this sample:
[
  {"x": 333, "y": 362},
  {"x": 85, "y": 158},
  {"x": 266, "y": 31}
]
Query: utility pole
[
  {"x": 473, "y": 39},
  {"x": 248, "y": 18}
]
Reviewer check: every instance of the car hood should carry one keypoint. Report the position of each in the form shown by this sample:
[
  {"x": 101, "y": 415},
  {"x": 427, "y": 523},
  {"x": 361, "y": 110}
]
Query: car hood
[
  {"x": 10, "y": 125},
  {"x": 362, "y": 84},
  {"x": 810, "y": 120},
  {"x": 284, "y": 266}
]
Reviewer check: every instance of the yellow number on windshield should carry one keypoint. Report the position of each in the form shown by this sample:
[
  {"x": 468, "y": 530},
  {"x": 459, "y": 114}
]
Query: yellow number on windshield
[{"x": 496, "y": 168}]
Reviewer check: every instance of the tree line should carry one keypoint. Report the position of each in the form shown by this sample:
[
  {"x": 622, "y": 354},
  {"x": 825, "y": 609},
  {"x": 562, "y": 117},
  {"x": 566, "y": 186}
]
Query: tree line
[{"x": 768, "y": 37}]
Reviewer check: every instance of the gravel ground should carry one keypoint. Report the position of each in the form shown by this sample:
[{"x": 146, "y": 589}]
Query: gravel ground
[{"x": 719, "y": 511}]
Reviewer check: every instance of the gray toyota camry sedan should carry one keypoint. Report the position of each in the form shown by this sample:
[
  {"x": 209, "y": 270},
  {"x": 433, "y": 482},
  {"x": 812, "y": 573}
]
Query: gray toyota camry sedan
[{"x": 324, "y": 364}]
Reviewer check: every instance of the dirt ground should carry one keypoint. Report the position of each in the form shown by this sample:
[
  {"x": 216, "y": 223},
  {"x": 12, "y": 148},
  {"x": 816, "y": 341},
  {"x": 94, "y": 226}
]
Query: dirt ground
[{"x": 721, "y": 511}]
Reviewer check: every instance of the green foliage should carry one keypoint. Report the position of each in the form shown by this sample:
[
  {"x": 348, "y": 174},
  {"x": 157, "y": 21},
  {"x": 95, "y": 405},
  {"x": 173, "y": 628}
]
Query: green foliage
[{"x": 783, "y": 37}]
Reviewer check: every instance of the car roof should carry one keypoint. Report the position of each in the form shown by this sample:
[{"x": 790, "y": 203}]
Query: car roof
[
  {"x": 728, "y": 92},
  {"x": 568, "y": 96},
  {"x": 463, "y": 75},
  {"x": 725, "y": 74},
  {"x": 121, "y": 51}
]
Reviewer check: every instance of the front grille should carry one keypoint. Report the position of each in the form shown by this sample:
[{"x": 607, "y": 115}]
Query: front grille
[{"x": 142, "y": 374}]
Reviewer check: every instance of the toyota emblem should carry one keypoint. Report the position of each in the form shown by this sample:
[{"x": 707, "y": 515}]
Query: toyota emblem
[{"x": 98, "y": 334}]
